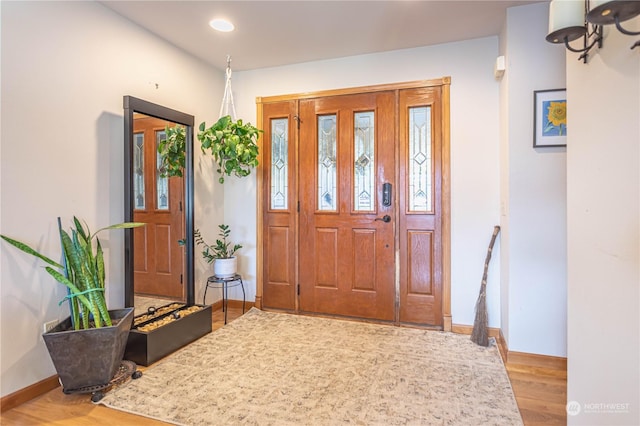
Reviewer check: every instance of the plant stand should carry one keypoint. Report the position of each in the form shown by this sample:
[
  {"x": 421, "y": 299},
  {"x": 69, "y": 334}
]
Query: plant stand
[{"x": 127, "y": 370}]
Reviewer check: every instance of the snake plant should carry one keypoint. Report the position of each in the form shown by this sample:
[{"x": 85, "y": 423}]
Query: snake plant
[{"x": 82, "y": 272}]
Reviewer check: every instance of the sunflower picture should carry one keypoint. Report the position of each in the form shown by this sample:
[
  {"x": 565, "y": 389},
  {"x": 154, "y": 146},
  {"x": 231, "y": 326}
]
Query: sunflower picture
[
  {"x": 550, "y": 118},
  {"x": 555, "y": 119}
]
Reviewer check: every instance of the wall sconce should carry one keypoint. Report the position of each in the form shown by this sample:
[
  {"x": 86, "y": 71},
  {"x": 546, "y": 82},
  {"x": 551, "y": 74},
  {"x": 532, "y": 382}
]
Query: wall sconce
[
  {"x": 607, "y": 12},
  {"x": 570, "y": 20},
  {"x": 567, "y": 22}
]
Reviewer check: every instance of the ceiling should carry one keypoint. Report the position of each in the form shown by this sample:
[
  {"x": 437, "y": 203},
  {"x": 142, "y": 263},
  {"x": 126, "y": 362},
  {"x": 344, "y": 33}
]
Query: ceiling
[{"x": 275, "y": 33}]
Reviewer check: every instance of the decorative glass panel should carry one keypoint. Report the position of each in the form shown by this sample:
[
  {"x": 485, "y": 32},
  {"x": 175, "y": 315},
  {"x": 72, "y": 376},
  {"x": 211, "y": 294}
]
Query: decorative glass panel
[
  {"x": 162, "y": 183},
  {"x": 420, "y": 159},
  {"x": 138, "y": 171},
  {"x": 279, "y": 163},
  {"x": 327, "y": 172},
  {"x": 364, "y": 153}
]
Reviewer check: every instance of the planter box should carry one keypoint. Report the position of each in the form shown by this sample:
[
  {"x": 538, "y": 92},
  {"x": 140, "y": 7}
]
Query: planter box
[
  {"x": 88, "y": 358},
  {"x": 145, "y": 348}
]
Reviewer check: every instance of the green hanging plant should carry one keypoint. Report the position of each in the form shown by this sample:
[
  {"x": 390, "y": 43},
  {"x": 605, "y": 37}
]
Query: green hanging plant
[
  {"x": 82, "y": 272},
  {"x": 233, "y": 145},
  {"x": 172, "y": 151}
]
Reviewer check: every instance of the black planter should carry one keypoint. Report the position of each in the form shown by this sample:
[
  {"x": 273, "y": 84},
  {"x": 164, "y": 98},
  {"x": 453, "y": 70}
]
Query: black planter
[
  {"x": 86, "y": 358},
  {"x": 145, "y": 348}
]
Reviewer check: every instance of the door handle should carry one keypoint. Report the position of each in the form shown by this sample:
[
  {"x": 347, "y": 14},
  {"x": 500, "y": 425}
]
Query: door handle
[{"x": 386, "y": 218}]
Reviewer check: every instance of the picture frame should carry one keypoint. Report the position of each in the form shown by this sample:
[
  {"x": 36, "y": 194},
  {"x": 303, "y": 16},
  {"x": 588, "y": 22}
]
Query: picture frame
[{"x": 550, "y": 118}]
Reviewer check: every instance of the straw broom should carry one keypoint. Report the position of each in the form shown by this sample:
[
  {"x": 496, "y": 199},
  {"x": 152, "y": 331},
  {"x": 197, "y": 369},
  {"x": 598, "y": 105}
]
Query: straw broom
[{"x": 480, "y": 333}]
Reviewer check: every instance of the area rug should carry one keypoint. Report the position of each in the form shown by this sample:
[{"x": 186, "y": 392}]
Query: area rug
[{"x": 280, "y": 369}]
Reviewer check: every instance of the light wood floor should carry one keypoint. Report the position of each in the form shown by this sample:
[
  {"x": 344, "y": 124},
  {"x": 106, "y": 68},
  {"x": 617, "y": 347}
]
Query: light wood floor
[{"x": 541, "y": 394}]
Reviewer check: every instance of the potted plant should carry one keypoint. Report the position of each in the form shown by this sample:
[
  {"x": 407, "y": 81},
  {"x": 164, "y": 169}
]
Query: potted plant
[
  {"x": 172, "y": 151},
  {"x": 87, "y": 347},
  {"x": 222, "y": 253},
  {"x": 233, "y": 145}
]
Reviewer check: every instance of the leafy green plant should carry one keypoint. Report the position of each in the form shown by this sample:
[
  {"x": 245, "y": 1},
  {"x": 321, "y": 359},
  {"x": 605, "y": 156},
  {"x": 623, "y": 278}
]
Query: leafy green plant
[
  {"x": 82, "y": 272},
  {"x": 172, "y": 151},
  {"x": 221, "y": 250},
  {"x": 233, "y": 145}
]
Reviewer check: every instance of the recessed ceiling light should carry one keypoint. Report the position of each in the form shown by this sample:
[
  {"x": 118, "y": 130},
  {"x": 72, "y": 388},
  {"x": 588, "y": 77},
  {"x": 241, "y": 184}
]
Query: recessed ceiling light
[{"x": 221, "y": 25}]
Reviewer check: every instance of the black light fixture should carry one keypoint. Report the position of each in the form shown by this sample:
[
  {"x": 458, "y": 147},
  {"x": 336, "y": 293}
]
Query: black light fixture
[
  {"x": 567, "y": 22},
  {"x": 613, "y": 12}
]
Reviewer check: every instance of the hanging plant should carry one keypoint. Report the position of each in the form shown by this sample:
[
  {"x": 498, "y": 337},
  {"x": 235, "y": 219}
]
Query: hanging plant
[
  {"x": 172, "y": 151},
  {"x": 233, "y": 145}
]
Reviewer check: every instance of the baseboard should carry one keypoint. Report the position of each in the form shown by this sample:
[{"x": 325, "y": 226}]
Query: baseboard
[
  {"x": 504, "y": 350},
  {"x": 535, "y": 360},
  {"x": 27, "y": 394},
  {"x": 232, "y": 304},
  {"x": 512, "y": 357},
  {"x": 468, "y": 329}
]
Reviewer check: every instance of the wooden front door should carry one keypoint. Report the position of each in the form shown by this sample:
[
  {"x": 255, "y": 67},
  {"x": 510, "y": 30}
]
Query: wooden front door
[
  {"x": 158, "y": 202},
  {"x": 346, "y": 247},
  {"x": 354, "y": 204}
]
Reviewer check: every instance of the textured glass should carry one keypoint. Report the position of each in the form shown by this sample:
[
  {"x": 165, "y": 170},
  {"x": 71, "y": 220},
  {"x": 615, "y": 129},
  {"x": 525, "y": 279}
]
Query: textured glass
[
  {"x": 162, "y": 183},
  {"x": 138, "y": 171},
  {"x": 420, "y": 159},
  {"x": 364, "y": 155},
  {"x": 327, "y": 172},
  {"x": 279, "y": 163}
]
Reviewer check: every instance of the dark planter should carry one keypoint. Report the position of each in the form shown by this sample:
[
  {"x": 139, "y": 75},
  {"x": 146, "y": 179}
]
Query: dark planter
[
  {"x": 86, "y": 358},
  {"x": 145, "y": 348}
]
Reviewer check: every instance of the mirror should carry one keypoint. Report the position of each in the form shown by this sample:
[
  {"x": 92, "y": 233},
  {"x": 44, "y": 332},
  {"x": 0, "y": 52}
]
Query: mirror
[{"x": 158, "y": 270}]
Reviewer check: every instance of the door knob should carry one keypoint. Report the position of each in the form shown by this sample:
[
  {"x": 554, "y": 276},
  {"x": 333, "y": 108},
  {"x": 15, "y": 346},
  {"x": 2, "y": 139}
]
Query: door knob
[{"x": 386, "y": 218}]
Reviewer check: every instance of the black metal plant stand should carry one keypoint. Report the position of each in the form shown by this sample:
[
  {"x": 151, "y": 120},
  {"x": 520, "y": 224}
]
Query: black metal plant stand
[
  {"x": 225, "y": 283},
  {"x": 127, "y": 370}
]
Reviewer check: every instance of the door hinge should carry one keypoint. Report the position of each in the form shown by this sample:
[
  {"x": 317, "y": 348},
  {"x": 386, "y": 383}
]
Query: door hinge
[
  {"x": 180, "y": 278},
  {"x": 180, "y": 205},
  {"x": 297, "y": 118},
  {"x": 298, "y": 289},
  {"x": 298, "y": 206}
]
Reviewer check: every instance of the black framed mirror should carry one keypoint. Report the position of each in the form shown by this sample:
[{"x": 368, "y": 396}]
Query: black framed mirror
[{"x": 157, "y": 268}]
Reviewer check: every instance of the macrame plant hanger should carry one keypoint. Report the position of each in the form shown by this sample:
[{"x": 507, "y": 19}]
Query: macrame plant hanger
[{"x": 227, "y": 107}]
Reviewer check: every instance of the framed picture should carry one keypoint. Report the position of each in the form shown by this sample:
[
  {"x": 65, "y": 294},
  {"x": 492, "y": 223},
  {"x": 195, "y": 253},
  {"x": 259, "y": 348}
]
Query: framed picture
[{"x": 549, "y": 118}]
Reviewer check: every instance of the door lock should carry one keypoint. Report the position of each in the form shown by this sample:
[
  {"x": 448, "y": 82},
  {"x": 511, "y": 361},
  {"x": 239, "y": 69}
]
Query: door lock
[{"x": 386, "y": 218}]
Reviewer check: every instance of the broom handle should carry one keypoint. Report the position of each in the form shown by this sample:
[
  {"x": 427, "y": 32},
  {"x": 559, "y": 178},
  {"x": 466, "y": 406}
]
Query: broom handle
[{"x": 496, "y": 230}]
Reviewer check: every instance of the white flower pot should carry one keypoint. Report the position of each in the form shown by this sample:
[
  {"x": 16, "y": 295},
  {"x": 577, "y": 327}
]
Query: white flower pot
[{"x": 225, "y": 268}]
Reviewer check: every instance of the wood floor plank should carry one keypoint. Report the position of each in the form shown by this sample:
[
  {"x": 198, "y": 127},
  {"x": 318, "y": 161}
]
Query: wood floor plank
[{"x": 540, "y": 394}]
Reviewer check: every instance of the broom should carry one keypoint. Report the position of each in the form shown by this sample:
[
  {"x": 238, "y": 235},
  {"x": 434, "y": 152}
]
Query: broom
[{"x": 480, "y": 333}]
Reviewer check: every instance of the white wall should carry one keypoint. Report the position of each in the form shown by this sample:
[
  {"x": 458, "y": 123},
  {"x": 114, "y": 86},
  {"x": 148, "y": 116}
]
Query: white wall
[
  {"x": 603, "y": 169},
  {"x": 534, "y": 222},
  {"x": 474, "y": 148},
  {"x": 65, "y": 69}
]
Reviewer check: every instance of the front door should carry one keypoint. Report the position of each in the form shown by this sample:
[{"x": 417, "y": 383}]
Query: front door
[
  {"x": 354, "y": 204},
  {"x": 346, "y": 223},
  {"x": 158, "y": 257}
]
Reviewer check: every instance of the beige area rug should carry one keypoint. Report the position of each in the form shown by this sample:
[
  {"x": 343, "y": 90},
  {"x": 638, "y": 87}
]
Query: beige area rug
[{"x": 280, "y": 369}]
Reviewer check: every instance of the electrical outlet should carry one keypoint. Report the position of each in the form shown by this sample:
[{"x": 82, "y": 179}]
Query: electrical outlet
[{"x": 47, "y": 326}]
